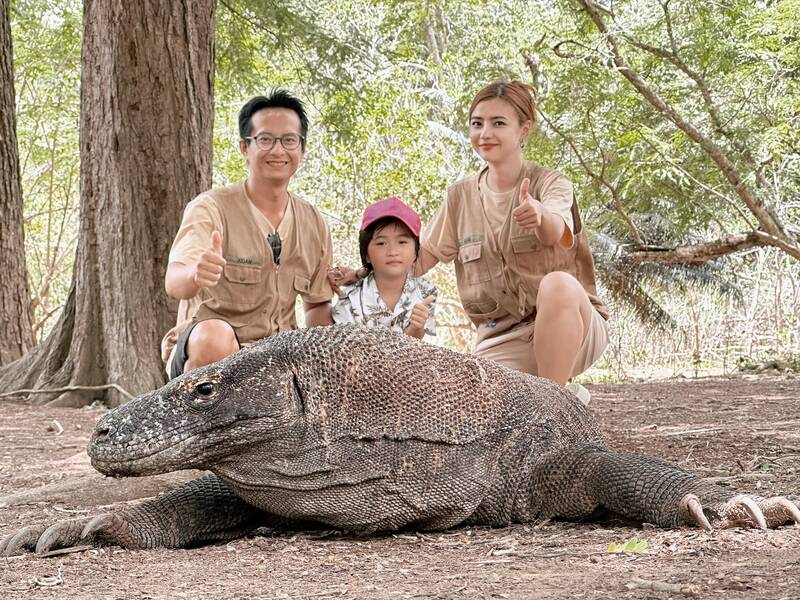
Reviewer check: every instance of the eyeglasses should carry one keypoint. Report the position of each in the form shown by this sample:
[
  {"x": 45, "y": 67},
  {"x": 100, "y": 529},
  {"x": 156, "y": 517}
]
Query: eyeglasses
[
  {"x": 275, "y": 243},
  {"x": 266, "y": 142}
]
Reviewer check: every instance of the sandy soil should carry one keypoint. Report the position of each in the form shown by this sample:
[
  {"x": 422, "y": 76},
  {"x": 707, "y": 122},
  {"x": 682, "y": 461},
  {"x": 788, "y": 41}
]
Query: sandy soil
[{"x": 743, "y": 430}]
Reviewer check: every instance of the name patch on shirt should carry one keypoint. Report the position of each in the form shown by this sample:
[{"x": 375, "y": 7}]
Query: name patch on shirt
[{"x": 243, "y": 261}]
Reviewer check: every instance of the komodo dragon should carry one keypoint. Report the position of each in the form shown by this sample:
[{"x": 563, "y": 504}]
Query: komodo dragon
[{"x": 367, "y": 430}]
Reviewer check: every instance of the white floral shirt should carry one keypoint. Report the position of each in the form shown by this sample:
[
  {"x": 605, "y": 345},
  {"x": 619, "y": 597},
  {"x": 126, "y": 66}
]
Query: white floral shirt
[{"x": 362, "y": 303}]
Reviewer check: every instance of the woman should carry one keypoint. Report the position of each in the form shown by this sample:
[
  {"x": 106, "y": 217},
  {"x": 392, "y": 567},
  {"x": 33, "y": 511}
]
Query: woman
[{"x": 523, "y": 267}]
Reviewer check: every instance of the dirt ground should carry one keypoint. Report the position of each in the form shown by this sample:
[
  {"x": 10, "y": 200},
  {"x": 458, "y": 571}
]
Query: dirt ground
[{"x": 742, "y": 430}]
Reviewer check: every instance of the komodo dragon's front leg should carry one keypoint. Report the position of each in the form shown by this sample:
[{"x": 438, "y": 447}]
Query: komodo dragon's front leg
[
  {"x": 574, "y": 482},
  {"x": 200, "y": 511}
]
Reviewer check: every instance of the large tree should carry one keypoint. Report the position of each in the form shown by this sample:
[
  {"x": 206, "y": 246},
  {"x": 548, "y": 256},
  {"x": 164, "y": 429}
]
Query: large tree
[
  {"x": 16, "y": 333},
  {"x": 145, "y": 149}
]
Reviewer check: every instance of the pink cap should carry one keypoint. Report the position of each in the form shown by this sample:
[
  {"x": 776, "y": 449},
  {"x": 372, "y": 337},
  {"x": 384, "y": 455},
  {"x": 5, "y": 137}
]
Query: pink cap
[{"x": 391, "y": 207}]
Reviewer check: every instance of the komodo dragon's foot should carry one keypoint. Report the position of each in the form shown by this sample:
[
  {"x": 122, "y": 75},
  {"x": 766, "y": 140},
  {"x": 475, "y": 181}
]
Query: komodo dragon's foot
[
  {"x": 103, "y": 530},
  {"x": 739, "y": 511}
]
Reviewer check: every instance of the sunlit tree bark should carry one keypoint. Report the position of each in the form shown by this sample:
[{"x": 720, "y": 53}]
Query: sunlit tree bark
[
  {"x": 16, "y": 333},
  {"x": 145, "y": 149}
]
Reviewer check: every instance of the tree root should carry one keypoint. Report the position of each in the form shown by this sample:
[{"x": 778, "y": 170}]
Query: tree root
[{"x": 71, "y": 388}]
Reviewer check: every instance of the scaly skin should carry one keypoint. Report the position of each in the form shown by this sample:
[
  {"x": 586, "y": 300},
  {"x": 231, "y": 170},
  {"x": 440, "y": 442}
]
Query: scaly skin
[{"x": 367, "y": 430}]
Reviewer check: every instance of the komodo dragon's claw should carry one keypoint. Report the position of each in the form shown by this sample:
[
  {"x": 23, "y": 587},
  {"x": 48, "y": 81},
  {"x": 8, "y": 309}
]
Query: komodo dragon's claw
[
  {"x": 22, "y": 540},
  {"x": 752, "y": 509},
  {"x": 781, "y": 510},
  {"x": 691, "y": 504},
  {"x": 105, "y": 530},
  {"x": 740, "y": 511},
  {"x": 61, "y": 535}
]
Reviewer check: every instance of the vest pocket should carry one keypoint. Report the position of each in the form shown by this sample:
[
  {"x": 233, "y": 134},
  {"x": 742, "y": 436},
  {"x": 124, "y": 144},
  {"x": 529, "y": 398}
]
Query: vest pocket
[
  {"x": 484, "y": 311},
  {"x": 475, "y": 269},
  {"x": 534, "y": 258},
  {"x": 525, "y": 243},
  {"x": 242, "y": 274},
  {"x": 239, "y": 288},
  {"x": 302, "y": 284}
]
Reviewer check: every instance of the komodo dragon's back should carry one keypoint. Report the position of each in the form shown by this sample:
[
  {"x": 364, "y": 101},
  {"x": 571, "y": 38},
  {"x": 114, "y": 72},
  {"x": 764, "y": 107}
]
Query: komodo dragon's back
[
  {"x": 366, "y": 430},
  {"x": 376, "y": 383}
]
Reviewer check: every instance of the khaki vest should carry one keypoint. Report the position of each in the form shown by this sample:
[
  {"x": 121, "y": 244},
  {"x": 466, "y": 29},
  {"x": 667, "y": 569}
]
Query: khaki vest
[
  {"x": 498, "y": 279},
  {"x": 253, "y": 295}
]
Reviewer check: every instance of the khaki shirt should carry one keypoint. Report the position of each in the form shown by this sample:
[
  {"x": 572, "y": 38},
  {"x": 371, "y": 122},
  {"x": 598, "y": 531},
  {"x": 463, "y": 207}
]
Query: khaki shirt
[
  {"x": 256, "y": 296},
  {"x": 498, "y": 270}
]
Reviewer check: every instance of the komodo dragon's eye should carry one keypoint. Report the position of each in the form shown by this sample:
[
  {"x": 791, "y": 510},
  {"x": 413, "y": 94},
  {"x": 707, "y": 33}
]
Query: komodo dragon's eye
[{"x": 204, "y": 389}]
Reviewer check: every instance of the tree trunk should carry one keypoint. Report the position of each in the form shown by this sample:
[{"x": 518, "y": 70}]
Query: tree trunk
[
  {"x": 16, "y": 330},
  {"x": 146, "y": 127}
]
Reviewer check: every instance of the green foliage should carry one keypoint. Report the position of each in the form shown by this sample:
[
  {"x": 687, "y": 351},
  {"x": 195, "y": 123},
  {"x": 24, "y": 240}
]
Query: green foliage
[
  {"x": 632, "y": 545},
  {"x": 388, "y": 85},
  {"x": 46, "y": 40}
]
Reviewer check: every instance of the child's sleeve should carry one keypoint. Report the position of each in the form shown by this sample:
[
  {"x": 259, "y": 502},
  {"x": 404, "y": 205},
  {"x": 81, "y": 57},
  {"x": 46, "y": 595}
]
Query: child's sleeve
[{"x": 342, "y": 311}]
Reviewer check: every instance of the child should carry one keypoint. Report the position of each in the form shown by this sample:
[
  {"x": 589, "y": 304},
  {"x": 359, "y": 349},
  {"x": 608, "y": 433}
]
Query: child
[{"x": 388, "y": 295}]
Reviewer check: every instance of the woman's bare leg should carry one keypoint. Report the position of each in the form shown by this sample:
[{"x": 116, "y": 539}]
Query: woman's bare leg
[{"x": 563, "y": 317}]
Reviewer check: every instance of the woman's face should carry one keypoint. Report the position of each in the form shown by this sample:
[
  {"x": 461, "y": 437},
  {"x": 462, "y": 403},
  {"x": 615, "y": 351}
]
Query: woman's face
[{"x": 495, "y": 130}]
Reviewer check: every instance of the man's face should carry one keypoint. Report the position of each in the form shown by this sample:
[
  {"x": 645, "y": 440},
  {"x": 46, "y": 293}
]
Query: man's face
[{"x": 276, "y": 164}]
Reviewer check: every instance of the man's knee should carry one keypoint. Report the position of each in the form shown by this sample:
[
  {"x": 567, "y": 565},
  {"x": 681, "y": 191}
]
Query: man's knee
[
  {"x": 559, "y": 289},
  {"x": 211, "y": 340}
]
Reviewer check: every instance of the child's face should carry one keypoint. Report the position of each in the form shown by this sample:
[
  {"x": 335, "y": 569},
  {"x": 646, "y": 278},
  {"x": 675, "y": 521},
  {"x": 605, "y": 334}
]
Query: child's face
[{"x": 392, "y": 250}]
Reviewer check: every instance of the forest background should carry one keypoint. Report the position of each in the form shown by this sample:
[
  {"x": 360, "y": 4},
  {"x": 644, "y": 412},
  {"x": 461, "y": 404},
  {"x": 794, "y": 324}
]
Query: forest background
[{"x": 677, "y": 122}]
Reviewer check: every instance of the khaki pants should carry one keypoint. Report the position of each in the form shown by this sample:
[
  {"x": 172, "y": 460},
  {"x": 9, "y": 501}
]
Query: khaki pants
[{"x": 514, "y": 348}]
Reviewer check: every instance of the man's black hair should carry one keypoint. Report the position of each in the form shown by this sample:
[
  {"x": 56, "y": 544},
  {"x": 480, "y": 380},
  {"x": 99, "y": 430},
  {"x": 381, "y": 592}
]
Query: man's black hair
[
  {"x": 277, "y": 99},
  {"x": 365, "y": 237}
]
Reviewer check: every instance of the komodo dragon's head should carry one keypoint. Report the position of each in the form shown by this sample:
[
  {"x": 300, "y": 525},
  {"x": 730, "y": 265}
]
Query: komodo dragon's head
[{"x": 200, "y": 418}]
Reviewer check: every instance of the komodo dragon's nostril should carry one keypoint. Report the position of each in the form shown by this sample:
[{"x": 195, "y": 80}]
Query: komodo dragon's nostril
[{"x": 101, "y": 431}]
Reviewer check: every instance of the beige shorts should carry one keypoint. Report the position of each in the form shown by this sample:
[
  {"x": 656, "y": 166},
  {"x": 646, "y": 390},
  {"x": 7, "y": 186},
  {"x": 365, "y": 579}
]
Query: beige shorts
[{"x": 514, "y": 348}]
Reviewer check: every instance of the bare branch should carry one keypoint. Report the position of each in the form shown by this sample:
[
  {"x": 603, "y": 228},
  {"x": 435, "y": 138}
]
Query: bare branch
[
  {"x": 592, "y": 54},
  {"x": 696, "y": 254}
]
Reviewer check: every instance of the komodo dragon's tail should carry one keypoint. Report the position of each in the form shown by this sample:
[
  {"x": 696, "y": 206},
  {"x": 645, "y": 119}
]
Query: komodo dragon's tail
[{"x": 573, "y": 483}]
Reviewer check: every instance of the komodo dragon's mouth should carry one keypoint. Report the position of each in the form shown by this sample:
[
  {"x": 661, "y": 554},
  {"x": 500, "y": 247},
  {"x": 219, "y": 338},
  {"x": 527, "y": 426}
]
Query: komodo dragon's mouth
[
  {"x": 120, "y": 451},
  {"x": 142, "y": 461}
]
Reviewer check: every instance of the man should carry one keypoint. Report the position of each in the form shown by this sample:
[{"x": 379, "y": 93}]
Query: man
[{"x": 245, "y": 251}]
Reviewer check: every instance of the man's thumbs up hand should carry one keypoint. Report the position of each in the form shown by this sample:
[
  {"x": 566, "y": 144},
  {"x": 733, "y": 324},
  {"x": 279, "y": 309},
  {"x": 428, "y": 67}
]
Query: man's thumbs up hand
[
  {"x": 529, "y": 212},
  {"x": 216, "y": 242},
  {"x": 209, "y": 265}
]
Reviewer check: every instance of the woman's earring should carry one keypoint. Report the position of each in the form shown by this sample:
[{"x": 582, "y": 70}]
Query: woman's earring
[{"x": 522, "y": 144}]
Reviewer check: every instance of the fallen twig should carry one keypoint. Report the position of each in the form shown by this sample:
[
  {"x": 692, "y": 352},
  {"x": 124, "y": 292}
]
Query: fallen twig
[
  {"x": 60, "y": 551},
  {"x": 72, "y": 388},
  {"x": 661, "y": 586},
  {"x": 59, "y": 429},
  {"x": 690, "y": 431},
  {"x": 71, "y": 510}
]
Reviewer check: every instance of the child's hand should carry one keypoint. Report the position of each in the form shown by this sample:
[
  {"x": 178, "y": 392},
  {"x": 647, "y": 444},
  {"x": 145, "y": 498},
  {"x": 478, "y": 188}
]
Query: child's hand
[{"x": 419, "y": 316}]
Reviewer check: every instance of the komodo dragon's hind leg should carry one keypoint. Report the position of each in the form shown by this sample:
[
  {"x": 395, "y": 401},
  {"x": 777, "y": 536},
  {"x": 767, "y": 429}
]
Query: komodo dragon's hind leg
[
  {"x": 200, "y": 511},
  {"x": 573, "y": 483}
]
